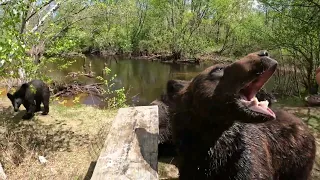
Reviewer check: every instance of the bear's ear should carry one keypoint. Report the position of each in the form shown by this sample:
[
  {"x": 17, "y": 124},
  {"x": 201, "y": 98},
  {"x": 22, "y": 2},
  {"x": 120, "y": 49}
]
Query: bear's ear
[
  {"x": 10, "y": 96},
  {"x": 174, "y": 86},
  {"x": 24, "y": 86},
  {"x": 263, "y": 53}
]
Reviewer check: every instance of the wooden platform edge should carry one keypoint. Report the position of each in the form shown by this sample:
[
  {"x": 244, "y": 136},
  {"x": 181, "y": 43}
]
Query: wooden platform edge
[
  {"x": 3, "y": 176},
  {"x": 131, "y": 147}
]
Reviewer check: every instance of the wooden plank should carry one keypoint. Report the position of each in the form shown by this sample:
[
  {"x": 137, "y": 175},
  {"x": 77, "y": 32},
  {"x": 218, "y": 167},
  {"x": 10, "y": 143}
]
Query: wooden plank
[
  {"x": 131, "y": 147},
  {"x": 2, "y": 174}
]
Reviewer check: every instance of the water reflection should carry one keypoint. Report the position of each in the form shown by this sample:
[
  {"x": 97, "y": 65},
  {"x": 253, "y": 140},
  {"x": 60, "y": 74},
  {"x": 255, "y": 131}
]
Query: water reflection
[{"x": 144, "y": 80}]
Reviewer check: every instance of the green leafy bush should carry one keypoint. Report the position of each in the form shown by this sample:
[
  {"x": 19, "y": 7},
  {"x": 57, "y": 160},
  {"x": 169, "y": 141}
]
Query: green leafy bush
[{"x": 114, "y": 98}]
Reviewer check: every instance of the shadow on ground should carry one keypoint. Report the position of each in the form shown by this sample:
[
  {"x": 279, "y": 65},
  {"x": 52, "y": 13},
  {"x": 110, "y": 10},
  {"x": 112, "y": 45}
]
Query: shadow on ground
[
  {"x": 90, "y": 170},
  {"x": 165, "y": 163},
  {"x": 69, "y": 138},
  {"x": 20, "y": 137}
]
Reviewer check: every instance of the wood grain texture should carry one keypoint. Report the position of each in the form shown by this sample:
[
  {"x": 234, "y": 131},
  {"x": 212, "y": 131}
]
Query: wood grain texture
[
  {"x": 131, "y": 147},
  {"x": 2, "y": 174}
]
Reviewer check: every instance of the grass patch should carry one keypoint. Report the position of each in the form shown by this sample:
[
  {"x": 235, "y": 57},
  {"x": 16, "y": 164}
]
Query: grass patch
[
  {"x": 167, "y": 170},
  {"x": 69, "y": 138},
  {"x": 291, "y": 102}
]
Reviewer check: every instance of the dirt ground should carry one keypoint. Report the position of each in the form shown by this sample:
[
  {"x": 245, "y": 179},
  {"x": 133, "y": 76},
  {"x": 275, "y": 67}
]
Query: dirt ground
[{"x": 71, "y": 139}]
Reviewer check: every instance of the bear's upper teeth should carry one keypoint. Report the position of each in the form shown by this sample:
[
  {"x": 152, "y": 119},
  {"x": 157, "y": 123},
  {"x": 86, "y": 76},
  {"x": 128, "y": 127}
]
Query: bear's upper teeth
[
  {"x": 255, "y": 102},
  {"x": 264, "y": 104}
]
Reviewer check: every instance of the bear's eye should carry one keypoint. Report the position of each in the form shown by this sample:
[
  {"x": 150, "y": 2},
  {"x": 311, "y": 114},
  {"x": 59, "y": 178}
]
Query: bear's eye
[
  {"x": 217, "y": 69},
  {"x": 217, "y": 72}
]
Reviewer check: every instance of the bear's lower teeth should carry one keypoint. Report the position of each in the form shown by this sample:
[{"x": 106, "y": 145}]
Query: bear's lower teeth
[
  {"x": 259, "y": 106},
  {"x": 255, "y": 102}
]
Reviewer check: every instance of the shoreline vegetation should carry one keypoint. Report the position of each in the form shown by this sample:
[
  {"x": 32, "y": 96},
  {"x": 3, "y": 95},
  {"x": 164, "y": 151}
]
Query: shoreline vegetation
[
  {"x": 162, "y": 57},
  {"x": 73, "y": 88}
]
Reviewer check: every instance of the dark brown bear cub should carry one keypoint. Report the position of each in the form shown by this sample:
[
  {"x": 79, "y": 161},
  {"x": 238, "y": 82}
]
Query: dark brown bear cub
[
  {"x": 31, "y": 95},
  {"x": 164, "y": 103},
  {"x": 222, "y": 131}
]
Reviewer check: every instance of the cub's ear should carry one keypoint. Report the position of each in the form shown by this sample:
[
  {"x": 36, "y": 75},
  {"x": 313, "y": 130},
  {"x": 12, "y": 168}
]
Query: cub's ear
[
  {"x": 24, "y": 86},
  {"x": 10, "y": 96},
  {"x": 174, "y": 86},
  {"x": 263, "y": 53}
]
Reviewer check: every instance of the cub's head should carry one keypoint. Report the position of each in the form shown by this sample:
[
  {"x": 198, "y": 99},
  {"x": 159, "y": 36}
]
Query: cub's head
[
  {"x": 173, "y": 87},
  {"x": 18, "y": 97},
  {"x": 16, "y": 101},
  {"x": 228, "y": 92}
]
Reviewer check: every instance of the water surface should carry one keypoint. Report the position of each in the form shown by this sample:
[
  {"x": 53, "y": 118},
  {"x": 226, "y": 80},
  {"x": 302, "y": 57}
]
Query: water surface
[{"x": 144, "y": 80}]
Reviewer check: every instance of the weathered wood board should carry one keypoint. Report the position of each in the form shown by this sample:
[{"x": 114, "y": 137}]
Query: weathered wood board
[
  {"x": 3, "y": 176},
  {"x": 131, "y": 147}
]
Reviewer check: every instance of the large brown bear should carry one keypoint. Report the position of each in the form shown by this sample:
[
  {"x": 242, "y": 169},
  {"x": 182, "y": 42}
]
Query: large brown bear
[
  {"x": 165, "y": 103},
  {"x": 222, "y": 131}
]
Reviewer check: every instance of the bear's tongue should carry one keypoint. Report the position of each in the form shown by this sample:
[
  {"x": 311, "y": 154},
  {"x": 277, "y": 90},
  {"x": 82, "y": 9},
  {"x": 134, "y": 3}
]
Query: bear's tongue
[{"x": 255, "y": 105}]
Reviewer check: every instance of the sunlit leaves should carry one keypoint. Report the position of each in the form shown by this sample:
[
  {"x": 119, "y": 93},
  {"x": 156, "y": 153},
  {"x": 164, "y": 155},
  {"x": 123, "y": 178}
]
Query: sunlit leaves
[
  {"x": 115, "y": 98},
  {"x": 295, "y": 28},
  {"x": 162, "y": 26}
]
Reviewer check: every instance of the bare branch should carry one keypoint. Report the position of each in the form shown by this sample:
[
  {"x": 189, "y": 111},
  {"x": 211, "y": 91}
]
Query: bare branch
[
  {"x": 70, "y": 15},
  {"x": 4, "y": 2},
  {"x": 314, "y": 3},
  {"x": 35, "y": 12},
  {"x": 67, "y": 27},
  {"x": 54, "y": 8}
]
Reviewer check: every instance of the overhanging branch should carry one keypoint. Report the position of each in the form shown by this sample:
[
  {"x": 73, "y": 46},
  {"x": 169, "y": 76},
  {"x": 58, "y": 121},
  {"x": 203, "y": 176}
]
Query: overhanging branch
[
  {"x": 35, "y": 12},
  {"x": 4, "y": 2},
  {"x": 54, "y": 8}
]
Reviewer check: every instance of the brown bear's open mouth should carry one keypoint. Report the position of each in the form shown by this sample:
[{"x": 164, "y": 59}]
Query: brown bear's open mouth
[{"x": 250, "y": 90}]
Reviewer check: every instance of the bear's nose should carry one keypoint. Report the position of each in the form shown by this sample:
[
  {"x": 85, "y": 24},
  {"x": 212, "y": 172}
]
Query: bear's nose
[
  {"x": 263, "y": 53},
  {"x": 268, "y": 63}
]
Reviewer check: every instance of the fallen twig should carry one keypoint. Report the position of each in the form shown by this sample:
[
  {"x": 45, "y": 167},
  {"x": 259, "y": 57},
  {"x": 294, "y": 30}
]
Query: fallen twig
[{"x": 75, "y": 88}]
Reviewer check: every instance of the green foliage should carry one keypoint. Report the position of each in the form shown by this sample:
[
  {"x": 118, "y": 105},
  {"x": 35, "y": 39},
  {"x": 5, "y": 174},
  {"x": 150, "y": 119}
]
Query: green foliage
[
  {"x": 133, "y": 26},
  {"x": 228, "y": 27},
  {"x": 59, "y": 62},
  {"x": 115, "y": 98},
  {"x": 189, "y": 27},
  {"x": 293, "y": 27},
  {"x": 23, "y": 37},
  {"x": 11, "y": 46},
  {"x": 63, "y": 45},
  {"x": 33, "y": 89}
]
